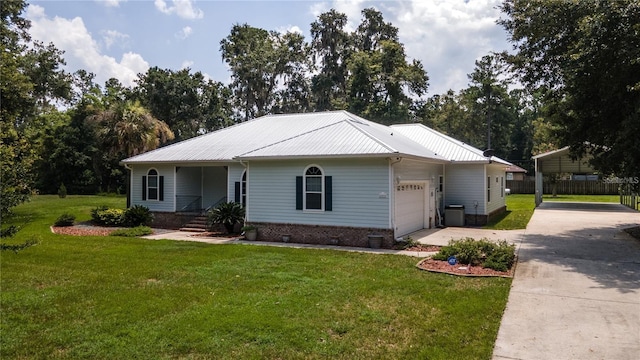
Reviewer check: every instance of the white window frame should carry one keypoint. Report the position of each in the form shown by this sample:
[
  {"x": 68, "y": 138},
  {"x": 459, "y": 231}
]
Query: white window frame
[
  {"x": 501, "y": 186},
  {"x": 157, "y": 187},
  {"x": 305, "y": 192},
  {"x": 488, "y": 189}
]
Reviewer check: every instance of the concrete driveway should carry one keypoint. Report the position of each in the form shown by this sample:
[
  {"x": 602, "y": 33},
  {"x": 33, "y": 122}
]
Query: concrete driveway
[{"x": 576, "y": 290}]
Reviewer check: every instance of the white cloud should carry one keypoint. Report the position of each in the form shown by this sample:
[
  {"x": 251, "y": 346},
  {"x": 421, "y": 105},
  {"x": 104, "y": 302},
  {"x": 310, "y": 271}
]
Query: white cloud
[
  {"x": 446, "y": 35},
  {"x": 184, "y": 33},
  {"x": 186, "y": 64},
  {"x": 183, "y": 8},
  {"x": 81, "y": 50},
  {"x": 289, "y": 29},
  {"x": 111, "y": 3},
  {"x": 110, "y": 37}
]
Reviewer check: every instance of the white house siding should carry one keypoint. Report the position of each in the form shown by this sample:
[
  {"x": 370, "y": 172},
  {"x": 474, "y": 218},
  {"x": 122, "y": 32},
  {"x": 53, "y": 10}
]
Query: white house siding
[
  {"x": 138, "y": 171},
  {"x": 417, "y": 170},
  {"x": 360, "y": 192},
  {"x": 465, "y": 183},
  {"x": 214, "y": 182},
  {"x": 496, "y": 172},
  {"x": 234, "y": 175}
]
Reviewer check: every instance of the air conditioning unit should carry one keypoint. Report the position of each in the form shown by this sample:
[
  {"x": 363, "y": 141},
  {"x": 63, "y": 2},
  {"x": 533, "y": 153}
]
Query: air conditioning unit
[{"x": 454, "y": 215}]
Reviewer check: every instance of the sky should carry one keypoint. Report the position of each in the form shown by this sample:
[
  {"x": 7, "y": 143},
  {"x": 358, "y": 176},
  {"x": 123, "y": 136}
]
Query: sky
[{"x": 122, "y": 38}]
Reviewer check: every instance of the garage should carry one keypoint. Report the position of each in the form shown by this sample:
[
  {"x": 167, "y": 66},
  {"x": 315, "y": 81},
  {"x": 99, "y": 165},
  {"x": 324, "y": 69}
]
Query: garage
[{"x": 409, "y": 208}]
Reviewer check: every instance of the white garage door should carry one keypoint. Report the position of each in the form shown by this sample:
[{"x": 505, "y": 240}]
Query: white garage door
[{"x": 410, "y": 208}]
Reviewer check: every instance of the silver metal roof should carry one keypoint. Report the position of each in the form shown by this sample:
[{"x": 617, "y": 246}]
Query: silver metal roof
[
  {"x": 443, "y": 145},
  {"x": 335, "y": 133}
]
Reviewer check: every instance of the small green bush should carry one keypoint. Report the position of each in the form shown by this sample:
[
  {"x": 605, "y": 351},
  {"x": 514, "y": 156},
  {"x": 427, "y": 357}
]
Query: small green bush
[
  {"x": 102, "y": 215},
  {"x": 65, "y": 220},
  {"x": 138, "y": 215},
  {"x": 133, "y": 232},
  {"x": 62, "y": 191},
  {"x": 498, "y": 256}
]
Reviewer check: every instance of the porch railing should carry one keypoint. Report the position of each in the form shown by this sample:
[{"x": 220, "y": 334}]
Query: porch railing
[
  {"x": 188, "y": 203},
  {"x": 220, "y": 201}
]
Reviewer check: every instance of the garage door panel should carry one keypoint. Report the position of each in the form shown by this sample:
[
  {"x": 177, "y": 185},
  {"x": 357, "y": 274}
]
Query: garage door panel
[{"x": 410, "y": 208}]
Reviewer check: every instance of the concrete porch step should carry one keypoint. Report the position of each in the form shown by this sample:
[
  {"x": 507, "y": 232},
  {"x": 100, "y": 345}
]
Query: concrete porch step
[{"x": 193, "y": 229}]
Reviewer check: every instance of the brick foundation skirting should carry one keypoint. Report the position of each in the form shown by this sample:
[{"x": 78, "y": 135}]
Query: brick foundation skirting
[
  {"x": 322, "y": 235},
  {"x": 169, "y": 220},
  {"x": 473, "y": 220}
]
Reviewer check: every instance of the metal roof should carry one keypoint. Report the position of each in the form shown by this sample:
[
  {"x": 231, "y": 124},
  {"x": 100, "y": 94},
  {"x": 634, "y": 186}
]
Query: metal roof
[
  {"x": 335, "y": 133},
  {"x": 443, "y": 145}
]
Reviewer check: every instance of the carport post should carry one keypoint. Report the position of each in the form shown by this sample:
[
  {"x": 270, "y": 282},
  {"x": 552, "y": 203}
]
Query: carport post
[{"x": 538, "y": 179}]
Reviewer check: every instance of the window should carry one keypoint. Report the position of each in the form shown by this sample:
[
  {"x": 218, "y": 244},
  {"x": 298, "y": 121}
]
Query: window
[
  {"x": 501, "y": 186},
  {"x": 440, "y": 183},
  {"x": 488, "y": 188},
  {"x": 314, "y": 191},
  {"x": 313, "y": 188},
  {"x": 153, "y": 186},
  {"x": 243, "y": 190}
]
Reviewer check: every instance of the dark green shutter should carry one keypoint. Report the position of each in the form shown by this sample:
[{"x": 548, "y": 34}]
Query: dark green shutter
[
  {"x": 161, "y": 189},
  {"x": 298, "y": 192},
  {"x": 144, "y": 188},
  {"x": 328, "y": 193},
  {"x": 237, "y": 193}
]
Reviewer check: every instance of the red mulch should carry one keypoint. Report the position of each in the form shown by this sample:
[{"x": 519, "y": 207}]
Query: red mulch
[
  {"x": 83, "y": 230},
  {"x": 442, "y": 266},
  {"x": 424, "y": 248}
]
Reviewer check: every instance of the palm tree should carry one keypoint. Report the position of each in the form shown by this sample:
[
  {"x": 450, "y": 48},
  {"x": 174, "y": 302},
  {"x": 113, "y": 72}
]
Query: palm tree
[{"x": 130, "y": 129}]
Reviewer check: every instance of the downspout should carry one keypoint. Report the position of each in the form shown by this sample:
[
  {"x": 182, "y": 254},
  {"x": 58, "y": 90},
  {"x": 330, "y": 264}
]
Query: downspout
[
  {"x": 392, "y": 185},
  {"x": 246, "y": 202},
  {"x": 129, "y": 183}
]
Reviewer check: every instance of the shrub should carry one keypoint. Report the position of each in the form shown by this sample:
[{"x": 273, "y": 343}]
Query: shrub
[
  {"x": 498, "y": 256},
  {"x": 138, "y": 215},
  {"x": 65, "y": 220},
  {"x": 228, "y": 214},
  {"x": 133, "y": 232},
  {"x": 102, "y": 215},
  {"x": 62, "y": 191}
]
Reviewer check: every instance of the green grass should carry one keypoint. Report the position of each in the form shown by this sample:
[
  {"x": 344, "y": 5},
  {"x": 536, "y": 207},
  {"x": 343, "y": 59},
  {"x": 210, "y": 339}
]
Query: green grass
[
  {"x": 583, "y": 198},
  {"x": 519, "y": 211},
  {"x": 117, "y": 298}
]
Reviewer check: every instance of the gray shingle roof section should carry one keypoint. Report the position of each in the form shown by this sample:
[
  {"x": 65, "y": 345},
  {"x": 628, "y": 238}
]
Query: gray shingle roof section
[
  {"x": 443, "y": 145},
  {"x": 335, "y": 133}
]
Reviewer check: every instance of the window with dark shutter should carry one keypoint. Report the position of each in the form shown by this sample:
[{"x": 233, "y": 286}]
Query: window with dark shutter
[{"x": 152, "y": 186}]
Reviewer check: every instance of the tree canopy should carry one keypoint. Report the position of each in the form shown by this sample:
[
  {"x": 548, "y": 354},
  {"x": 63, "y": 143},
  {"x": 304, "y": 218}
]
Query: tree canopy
[{"x": 585, "y": 54}]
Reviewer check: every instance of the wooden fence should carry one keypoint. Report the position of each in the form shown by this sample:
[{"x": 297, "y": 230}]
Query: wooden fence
[{"x": 564, "y": 187}]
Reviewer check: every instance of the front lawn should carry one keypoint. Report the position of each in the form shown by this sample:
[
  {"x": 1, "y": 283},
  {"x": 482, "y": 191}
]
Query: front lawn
[
  {"x": 117, "y": 298},
  {"x": 519, "y": 211}
]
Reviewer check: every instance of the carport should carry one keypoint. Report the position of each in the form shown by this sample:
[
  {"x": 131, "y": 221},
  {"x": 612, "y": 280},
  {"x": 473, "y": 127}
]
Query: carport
[{"x": 557, "y": 162}]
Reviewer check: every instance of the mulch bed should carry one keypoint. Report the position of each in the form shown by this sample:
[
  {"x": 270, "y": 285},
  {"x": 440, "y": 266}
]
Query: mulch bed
[
  {"x": 441, "y": 266},
  {"x": 423, "y": 248},
  {"x": 82, "y": 230}
]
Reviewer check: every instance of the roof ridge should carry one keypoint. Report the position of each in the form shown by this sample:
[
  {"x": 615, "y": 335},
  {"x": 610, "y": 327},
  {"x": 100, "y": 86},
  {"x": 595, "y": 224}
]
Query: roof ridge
[
  {"x": 448, "y": 138},
  {"x": 290, "y": 138},
  {"x": 370, "y": 136}
]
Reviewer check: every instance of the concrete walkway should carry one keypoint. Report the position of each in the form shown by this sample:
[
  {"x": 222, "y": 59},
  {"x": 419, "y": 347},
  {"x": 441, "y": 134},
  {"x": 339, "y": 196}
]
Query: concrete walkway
[
  {"x": 576, "y": 290},
  {"x": 189, "y": 236}
]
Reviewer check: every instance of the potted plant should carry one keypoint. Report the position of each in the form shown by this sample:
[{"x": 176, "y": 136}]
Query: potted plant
[
  {"x": 228, "y": 214},
  {"x": 250, "y": 232}
]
